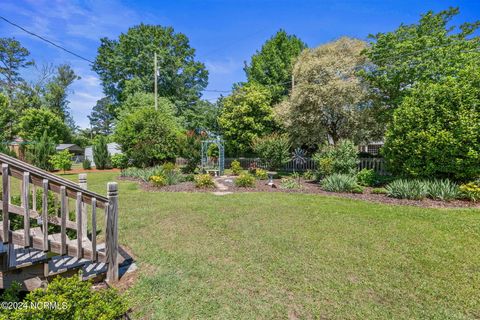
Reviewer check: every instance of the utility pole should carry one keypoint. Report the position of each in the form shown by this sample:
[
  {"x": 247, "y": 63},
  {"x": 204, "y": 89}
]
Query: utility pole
[{"x": 156, "y": 71}]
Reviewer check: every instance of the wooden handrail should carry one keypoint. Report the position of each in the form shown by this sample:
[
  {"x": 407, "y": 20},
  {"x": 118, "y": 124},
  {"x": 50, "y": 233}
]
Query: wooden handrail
[{"x": 17, "y": 168}]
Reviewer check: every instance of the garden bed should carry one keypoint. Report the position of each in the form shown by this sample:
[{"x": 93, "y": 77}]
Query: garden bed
[{"x": 308, "y": 187}]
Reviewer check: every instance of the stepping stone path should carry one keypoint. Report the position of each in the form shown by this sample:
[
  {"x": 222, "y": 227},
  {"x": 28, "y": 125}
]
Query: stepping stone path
[{"x": 221, "y": 187}]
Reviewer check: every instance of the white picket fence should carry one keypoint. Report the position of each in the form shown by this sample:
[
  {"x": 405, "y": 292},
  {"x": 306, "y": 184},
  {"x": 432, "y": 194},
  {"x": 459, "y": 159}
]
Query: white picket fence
[{"x": 377, "y": 164}]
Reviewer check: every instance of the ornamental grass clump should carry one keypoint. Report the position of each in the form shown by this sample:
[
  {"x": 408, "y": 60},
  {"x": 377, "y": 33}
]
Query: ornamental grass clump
[
  {"x": 339, "y": 182},
  {"x": 407, "y": 189},
  {"x": 444, "y": 190}
]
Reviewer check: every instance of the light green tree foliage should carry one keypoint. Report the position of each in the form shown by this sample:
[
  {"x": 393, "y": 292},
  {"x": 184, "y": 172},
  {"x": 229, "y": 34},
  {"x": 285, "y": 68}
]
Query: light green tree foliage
[
  {"x": 13, "y": 57},
  {"x": 139, "y": 100},
  {"x": 327, "y": 100},
  {"x": 436, "y": 130},
  {"x": 426, "y": 51},
  {"x": 6, "y": 116},
  {"x": 148, "y": 137},
  {"x": 62, "y": 160},
  {"x": 273, "y": 150},
  {"x": 272, "y": 65},
  {"x": 181, "y": 77},
  {"x": 34, "y": 122},
  {"x": 246, "y": 114}
]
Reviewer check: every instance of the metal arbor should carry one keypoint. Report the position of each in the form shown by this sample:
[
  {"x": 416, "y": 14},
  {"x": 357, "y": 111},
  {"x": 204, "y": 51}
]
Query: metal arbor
[{"x": 210, "y": 164}]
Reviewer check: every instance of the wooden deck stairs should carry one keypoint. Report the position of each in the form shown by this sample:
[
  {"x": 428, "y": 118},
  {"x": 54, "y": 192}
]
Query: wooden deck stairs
[{"x": 43, "y": 233}]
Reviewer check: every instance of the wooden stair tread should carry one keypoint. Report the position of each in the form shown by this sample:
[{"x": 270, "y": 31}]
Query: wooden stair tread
[
  {"x": 23, "y": 257},
  {"x": 60, "y": 264},
  {"x": 93, "y": 269}
]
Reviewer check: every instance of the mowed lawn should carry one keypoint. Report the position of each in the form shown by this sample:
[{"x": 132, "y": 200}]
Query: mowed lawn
[{"x": 294, "y": 256}]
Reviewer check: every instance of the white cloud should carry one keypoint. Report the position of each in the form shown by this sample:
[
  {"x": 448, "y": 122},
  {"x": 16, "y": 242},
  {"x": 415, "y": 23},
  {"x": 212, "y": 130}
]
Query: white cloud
[{"x": 223, "y": 67}]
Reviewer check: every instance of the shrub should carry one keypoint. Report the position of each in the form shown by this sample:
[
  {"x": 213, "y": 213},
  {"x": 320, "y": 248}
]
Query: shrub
[
  {"x": 379, "y": 191},
  {"x": 310, "y": 175},
  {"x": 471, "y": 190},
  {"x": 62, "y": 160},
  {"x": 119, "y": 161},
  {"x": 444, "y": 190},
  {"x": 100, "y": 153},
  {"x": 148, "y": 137},
  {"x": 158, "y": 181},
  {"x": 436, "y": 131},
  {"x": 261, "y": 174},
  {"x": 188, "y": 177},
  {"x": 34, "y": 122},
  {"x": 190, "y": 146},
  {"x": 79, "y": 299},
  {"x": 204, "y": 181},
  {"x": 339, "y": 182},
  {"x": 273, "y": 150},
  {"x": 366, "y": 177},
  {"x": 341, "y": 158},
  {"x": 40, "y": 151},
  {"x": 236, "y": 167},
  {"x": 86, "y": 164},
  {"x": 407, "y": 189},
  {"x": 245, "y": 180},
  {"x": 290, "y": 183}
]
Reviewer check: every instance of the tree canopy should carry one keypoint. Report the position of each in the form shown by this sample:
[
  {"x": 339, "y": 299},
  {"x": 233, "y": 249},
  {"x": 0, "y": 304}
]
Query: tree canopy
[
  {"x": 34, "y": 122},
  {"x": 245, "y": 115},
  {"x": 131, "y": 58},
  {"x": 427, "y": 51},
  {"x": 101, "y": 118},
  {"x": 326, "y": 102},
  {"x": 272, "y": 65}
]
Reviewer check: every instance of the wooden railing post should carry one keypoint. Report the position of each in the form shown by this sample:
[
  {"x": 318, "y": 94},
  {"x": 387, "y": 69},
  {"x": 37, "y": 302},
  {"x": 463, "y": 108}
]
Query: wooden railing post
[
  {"x": 82, "y": 182},
  {"x": 26, "y": 207},
  {"x": 45, "y": 214},
  {"x": 5, "y": 202},
  {"x": 111, "y": 234}
]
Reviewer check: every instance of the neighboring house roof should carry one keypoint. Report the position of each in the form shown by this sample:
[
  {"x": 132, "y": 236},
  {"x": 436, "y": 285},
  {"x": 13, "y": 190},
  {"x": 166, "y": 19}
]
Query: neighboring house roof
[{"x": 69, "y": 147}]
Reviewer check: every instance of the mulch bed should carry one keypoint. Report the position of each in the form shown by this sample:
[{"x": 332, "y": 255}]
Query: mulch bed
[{"x": 308, "y": 187}]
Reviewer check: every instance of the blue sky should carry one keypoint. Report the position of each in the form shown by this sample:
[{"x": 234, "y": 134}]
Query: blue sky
[{"x": 224, "y": 33}]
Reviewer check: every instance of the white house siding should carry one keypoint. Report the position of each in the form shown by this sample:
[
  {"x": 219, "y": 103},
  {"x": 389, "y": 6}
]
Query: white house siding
[{"x": 113, "y": 148}]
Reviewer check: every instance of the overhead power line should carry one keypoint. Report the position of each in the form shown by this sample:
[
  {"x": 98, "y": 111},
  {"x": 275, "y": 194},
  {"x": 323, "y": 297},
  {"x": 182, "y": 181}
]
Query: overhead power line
[{"x": 46, "y": 40}]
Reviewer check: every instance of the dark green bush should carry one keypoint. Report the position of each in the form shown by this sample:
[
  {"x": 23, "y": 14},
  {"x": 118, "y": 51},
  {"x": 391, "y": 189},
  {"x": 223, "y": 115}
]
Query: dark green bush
[
  {"x": 273, "y": 150},
  {"x": 101, "y": 157},
  {"x": 86, "y": 164},
  {"x": 74, "y": 299},
  {"x": 366, "y": 177},
  {"x": 119, "y": 161}
]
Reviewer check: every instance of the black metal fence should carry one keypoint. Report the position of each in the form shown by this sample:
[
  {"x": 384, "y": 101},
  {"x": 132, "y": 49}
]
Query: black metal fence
[{"x": 377, "y": 164}]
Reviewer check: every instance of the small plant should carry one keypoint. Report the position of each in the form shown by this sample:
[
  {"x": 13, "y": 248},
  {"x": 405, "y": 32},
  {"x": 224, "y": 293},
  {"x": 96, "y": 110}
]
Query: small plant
[
  {"x": 62, "y": 160},
  {"x": 245, "y": 180},
  {"x": 471, "y": 190},
  {"x": 290, "y": 183},
  {"x": 119, "y": 161},
  {"x": 188, "y": 177},
  {"x": 339, "y": 158},
  {"x": 310, "y": 175},
  {"x": 339, "y": 182},
  {"x": 236, "y": 167},
  {"x": 366, "y": 177},
  {"x": 261, "y": 174},
  {"x": 379, "y": 191},
  {"x": 158, "y": 181},
  {"x": 444, "y": 190},
  {"x": 204, "y": 181},
  {"x": 86, "y": 164},
  {"x": 407, "y": 189}
]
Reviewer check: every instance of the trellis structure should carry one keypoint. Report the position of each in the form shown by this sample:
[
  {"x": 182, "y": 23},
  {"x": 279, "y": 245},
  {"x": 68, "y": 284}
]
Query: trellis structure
[{"x": 208, "y": 164}]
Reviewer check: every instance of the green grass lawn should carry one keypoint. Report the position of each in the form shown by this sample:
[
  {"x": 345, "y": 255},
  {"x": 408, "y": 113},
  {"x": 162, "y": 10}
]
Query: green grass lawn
[{"x": 280, "y": 256}]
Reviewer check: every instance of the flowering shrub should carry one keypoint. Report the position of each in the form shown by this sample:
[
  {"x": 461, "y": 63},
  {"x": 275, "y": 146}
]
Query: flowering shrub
[
  {"x": 204, "y": 181},
  {"x": 236, "y": 167},
  {"x": 245, "y": 180},
  {"x": 158, "y": 181},
  {"x": 471, "y": 190},
  {"x": 261, "y": 174}
]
